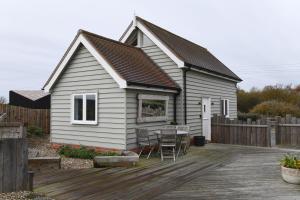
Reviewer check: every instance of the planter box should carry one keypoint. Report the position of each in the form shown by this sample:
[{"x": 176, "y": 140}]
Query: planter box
[
  {"x": 290, "y": 175},
  {"x": 127, "y": 159},
  {"x": 41, "y": 163}
]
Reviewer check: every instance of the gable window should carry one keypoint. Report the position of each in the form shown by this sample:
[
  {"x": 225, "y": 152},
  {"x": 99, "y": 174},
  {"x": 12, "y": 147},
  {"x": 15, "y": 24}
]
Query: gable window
[
  {"x": 225, "y": 107},
  {"x": 84, "y": 108},
  {"x": 152, "y": 108}
]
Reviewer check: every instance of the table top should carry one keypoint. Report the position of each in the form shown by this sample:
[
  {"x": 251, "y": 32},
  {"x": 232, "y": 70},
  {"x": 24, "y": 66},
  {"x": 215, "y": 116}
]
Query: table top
[{"x": 179, "y": 132}]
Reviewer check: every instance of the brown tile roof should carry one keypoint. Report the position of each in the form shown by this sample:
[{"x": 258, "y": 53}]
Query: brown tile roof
[
  {"x": 189, "y": 52},
  {"x": 131, "y": 63},
  {"x": 32, "y": 94}
]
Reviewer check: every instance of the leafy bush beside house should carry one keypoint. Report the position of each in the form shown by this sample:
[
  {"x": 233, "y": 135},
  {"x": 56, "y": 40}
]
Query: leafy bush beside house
[{"x": 34, "y": 131}]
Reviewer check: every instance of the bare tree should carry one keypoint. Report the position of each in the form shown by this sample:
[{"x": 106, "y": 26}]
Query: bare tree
[{"x": 3, "y": 100}]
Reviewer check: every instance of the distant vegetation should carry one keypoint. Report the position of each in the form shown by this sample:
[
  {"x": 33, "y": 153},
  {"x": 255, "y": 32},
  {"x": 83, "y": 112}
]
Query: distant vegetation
[
  {"x": 3, "y": 100},
  {"x": 275, "y": 100}
]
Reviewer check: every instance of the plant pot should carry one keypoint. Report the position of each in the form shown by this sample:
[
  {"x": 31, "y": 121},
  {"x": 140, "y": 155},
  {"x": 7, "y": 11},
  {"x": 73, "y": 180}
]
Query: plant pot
[
  {"x": 290, "y": 175},
  {"x": 199, "y": 140}
]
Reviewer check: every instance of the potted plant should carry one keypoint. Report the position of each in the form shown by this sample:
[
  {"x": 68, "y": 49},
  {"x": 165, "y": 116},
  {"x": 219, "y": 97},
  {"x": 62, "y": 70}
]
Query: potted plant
[{"x": 290, "y": 169}]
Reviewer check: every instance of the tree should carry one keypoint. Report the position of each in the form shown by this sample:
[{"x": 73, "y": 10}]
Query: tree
[{"x": 3, "y": 100}]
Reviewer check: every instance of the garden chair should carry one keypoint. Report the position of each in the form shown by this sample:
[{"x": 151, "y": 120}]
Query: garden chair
[
  {"x": 168, "y": 144},
  {"x": 169, "y": 127},
  {"x": 185, "y": 140},
  {"x": 144, "y": 141}
]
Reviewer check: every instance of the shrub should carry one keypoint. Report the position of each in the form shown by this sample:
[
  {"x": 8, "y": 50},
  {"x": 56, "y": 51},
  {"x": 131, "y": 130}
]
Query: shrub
[
  {"x": 83, "y": 152},
  {"x": 35, "y": 131},
  {"x": 290, "y": 161},
  {"x": 245, "y": 116}
]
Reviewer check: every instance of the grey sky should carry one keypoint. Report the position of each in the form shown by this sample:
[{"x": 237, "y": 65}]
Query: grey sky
[{"x": 258, "y": 39}]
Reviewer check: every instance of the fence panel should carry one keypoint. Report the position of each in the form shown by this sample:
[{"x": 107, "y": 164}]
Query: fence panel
[
  {"x": 241, "y": 133},
  {"x": 27, "y": 116}
]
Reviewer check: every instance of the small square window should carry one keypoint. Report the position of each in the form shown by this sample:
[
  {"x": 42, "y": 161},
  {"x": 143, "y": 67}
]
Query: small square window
[{"x": 84, "y": 108}]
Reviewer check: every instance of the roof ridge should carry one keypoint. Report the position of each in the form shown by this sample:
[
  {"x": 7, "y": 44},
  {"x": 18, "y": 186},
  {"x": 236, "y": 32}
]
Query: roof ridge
[
  {"x": 172, "y": 33},
  {"x": 105, "y": 38}
]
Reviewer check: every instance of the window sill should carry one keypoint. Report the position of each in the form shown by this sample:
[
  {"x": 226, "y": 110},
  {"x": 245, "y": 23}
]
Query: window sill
[{"x": 84, "y": 122}]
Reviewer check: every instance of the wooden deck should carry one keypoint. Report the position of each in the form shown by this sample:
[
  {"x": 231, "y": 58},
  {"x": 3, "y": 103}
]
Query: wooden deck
[{"x": 212, "y": 172}]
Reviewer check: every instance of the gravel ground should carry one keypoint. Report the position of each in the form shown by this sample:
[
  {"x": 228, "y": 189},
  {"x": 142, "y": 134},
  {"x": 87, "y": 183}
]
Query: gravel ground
[
  {"x": 40, "y": 147},
  {"x": 24, "y": 195}
]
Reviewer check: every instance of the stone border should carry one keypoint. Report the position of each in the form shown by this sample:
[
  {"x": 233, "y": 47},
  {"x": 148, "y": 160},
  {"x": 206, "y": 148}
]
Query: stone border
[
  {"x": 41, "y": 163},
  {"x": 290, "y": 175}
]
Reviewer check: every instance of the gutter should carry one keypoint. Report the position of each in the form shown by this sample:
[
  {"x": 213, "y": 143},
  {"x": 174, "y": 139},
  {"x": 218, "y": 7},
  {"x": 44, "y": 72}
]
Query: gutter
[{"x": 185, "y": 70}]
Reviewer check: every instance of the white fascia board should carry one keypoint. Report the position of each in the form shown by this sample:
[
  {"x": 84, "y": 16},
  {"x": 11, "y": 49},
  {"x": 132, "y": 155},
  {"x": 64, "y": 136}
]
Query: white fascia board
[
  {"x": 82, "y": 40},
  {"x": 155, "y": 40},
  {"x": 152, "y": 89}
]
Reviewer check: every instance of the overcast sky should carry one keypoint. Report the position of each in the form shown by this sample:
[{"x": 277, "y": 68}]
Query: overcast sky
[{"x": 258, "y": 39}]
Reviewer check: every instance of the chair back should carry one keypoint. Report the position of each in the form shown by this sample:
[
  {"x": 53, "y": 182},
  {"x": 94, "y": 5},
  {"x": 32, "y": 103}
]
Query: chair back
[
  {"x": 168, "y": 137},
  {"x": 183, "y": 128},
  {"x": 142, "y": 136},
  {"x": 169, "y": 127}
]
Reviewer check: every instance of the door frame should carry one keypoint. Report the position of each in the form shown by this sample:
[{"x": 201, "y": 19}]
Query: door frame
[{"x": 207, "y": 135}]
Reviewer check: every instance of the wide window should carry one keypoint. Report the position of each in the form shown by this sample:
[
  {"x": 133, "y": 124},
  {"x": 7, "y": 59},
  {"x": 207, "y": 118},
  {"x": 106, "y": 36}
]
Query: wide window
[
  {"x": 84, "y": 108},
  {"x": 152, "y": 108},
  {"x": 225, "y": 107}
]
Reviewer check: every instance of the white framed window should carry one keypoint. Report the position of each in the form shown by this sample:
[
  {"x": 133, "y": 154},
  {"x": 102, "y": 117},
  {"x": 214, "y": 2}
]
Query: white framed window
[
  {"x": 225, "y": 107},
  {"x": 84, "y": 108},
  {"x": 152, "y": 108}
]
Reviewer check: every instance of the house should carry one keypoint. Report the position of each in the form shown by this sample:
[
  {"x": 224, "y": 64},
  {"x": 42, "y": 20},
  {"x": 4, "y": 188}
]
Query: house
[
  {"x": 36, "y": 99},
  {"x": 102, "y": 89}
]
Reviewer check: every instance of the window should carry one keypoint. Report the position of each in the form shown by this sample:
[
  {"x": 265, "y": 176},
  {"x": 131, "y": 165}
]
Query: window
[
  {"x": 152, "y": 108},
  {"x": 225, "y": 107},
  {"x": 84, "y": 108}
]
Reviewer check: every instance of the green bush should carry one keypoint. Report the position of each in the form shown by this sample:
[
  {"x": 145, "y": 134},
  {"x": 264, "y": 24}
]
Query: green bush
[
  {"x": 290, "y": 161},
  {"x": 275, "y": 108},
  {"x": 83, "y": 152},
  {"x": 35, "y": 131},
  {"x": 245, "y": 116}
]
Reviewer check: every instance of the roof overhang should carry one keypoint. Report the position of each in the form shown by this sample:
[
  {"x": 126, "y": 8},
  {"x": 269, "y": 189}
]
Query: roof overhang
[
  {"x": 137, "y": 24},
  {"x": 80, "y": 39}
]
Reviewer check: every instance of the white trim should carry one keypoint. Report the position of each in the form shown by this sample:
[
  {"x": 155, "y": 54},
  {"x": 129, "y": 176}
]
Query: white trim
[
  {"x": 84, "y": 121},
  {"x": 82, "y": 40},
  {"x": 212, "y": 74},
  {"x": 142, "y": 97},
  {"x": 155, "y": 40},
  {"x": 151, "y": 89}
]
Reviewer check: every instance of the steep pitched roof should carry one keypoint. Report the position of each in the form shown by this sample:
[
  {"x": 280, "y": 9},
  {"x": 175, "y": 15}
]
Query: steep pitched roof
[
  {"x": 131, "y": 63},
  {"x": 190, "y": 53},
  {"x": 31, "y": 94}
]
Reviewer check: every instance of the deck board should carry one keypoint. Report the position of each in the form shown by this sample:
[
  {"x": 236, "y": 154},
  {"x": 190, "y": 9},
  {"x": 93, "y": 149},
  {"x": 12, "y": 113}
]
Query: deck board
[{"x": 212, "y": 172}]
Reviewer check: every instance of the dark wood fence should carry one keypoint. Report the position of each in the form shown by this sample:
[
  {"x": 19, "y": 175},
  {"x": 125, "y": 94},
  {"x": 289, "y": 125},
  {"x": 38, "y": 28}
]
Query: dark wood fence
[
  {"x": 27, "y": 116},
  {"x": 13, "y": 162},
  {"x": 287, "y": 130},
  {"x": 252, "y": 133}
]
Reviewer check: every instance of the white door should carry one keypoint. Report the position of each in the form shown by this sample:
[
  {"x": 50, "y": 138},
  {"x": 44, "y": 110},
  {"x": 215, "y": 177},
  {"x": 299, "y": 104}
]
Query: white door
[{"x": 206, "y": 118}]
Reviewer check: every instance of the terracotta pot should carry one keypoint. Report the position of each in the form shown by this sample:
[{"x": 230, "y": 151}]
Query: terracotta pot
[{"x": 290, "y": 175}]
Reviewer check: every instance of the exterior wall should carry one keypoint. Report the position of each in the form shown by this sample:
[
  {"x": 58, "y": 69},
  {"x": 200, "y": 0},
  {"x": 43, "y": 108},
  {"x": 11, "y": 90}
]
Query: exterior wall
[
  {"x": 168, "y": 66},
  {"x": 201, "y": 85},
  {"x": 85, "y": 74},
  {"x": 132, "y": 114}
]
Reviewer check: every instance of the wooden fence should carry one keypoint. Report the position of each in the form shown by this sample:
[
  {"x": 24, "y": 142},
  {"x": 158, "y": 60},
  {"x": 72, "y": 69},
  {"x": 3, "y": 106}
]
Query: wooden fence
[
  {"x": 13, "y": 163},
  {"x": 252, "y": 133},
  {"x": 265, "y": 132},
  {"x": 27, "y": 116}
]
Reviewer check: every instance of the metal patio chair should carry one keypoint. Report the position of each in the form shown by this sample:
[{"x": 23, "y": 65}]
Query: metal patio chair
[
  {"x": 185, "y": 140},
  {"x": 168, "y": 144},
  {"x": 144, "y": 141}
]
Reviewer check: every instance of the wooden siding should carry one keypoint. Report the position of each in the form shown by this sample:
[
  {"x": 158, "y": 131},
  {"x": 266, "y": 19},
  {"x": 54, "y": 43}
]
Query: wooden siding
[
  {"x": 201, "y": 85},
  {"x": 85, "y": 74},
  {"x": 132, "y": 112},
  {"x": 170, "y": 67}
]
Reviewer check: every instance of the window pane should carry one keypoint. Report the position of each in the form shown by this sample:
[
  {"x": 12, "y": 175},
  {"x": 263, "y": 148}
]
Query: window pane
[
  {"x": 78, "y": 106},
  {"x": 153, "y": 108},
  {"x": 90, "y": 107},
  {"x": 226, "y": 108}
]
